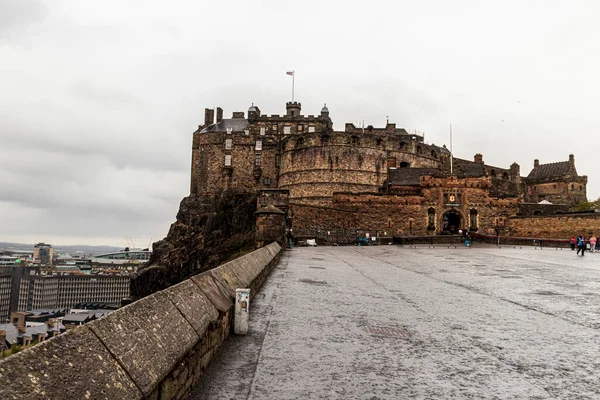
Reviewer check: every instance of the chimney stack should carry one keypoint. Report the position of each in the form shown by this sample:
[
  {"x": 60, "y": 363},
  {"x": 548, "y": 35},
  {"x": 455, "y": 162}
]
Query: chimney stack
[
  {"x": 572, "y": 161},
  {"x": 536, "y": 163},
  {"x": 478, "y": 158},
  {"x": 219, "y": 114},
  {"x": 209, "y": 115}
]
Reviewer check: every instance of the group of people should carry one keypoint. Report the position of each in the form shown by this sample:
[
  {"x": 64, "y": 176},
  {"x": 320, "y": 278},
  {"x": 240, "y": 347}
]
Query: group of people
[{"x": 582, "y": 243}]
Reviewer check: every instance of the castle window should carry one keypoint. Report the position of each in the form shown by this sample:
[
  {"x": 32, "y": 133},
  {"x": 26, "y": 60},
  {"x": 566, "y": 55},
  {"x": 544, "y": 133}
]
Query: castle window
[
  {"x": 228, "y": 143},
  {"x": 572, "y": 186},
  {"x": 267, "y": 181},
  {"x": 258, "y": 145},
  {"x": 247, "y": 132},
  {"x": 493, "y": 173},
  {"x": 379, "y": 142},
  {"x": 404, "y": 164},
  {"x": 262, "y": 131},
  {"x": 580, "y": 188},
  {"x": 433, "y": 154},
  {"x": 274, "y": 127},
  {"x": 228, "y": 160},
  {"x": 257, "y": 160},
  {"x": 505, "y": 175},
  {"x": 311, "y": 129},
  {"x": 403, "y": 145},
  {"x": 300, "y": 128},
  {"x": 473, "y": 219},
  {"x": 418, "y": 149},
  {"x": 229, "y": 130},
  {"x": 287, "y": 130},
  {"x": 299, "y": 142},
  {"x": 431, "y": 219},
  {"x": 354, "y": 139}
]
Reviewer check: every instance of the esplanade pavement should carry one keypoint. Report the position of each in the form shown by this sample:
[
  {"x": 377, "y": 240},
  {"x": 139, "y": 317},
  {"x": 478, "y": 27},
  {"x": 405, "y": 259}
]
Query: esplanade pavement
[{"x": 386, "y": 322}]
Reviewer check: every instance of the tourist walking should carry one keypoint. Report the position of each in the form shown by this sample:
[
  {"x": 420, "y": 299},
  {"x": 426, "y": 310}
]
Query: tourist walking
[
  {"x": 581, "y": 245},
  {"x": 573, "y": 242},
  {"x": 592, "y": 243},
  {"x": 597, "y": 245}
]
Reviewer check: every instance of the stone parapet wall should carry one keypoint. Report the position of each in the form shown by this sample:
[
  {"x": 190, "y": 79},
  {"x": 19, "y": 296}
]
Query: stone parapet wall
[
  {"x": 555, "y": 227},
  {"x": 155, "y": 348}
]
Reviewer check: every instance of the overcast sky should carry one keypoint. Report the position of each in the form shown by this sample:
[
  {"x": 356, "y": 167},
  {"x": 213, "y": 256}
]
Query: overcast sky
[{"x": 98, "y": 100}]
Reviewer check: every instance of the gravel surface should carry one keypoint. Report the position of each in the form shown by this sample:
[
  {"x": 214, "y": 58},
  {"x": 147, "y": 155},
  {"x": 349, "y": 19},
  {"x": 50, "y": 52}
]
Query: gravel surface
[{"x": 387, "y": 322}]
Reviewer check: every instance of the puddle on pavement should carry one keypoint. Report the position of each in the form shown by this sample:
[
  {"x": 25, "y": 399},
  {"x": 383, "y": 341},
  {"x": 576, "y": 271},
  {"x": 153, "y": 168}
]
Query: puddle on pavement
[
  {"x": 317, "y": 267},
  {"x": 313, "y": 282},
  {"x": 546, "y": 293}
]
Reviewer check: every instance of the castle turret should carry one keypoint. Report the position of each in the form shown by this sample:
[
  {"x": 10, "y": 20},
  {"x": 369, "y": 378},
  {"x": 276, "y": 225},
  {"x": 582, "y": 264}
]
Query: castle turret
[
  {"x": 325, "y": 111},
  {"x": 293, "y": 108},
  {"x": 478, "y": 158},
  {"x": 253, "y": 113}
]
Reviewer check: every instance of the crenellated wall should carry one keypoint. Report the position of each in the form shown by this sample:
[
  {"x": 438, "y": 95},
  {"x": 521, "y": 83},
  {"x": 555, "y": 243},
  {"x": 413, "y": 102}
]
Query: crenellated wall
[{"x": 154, "y": 348}]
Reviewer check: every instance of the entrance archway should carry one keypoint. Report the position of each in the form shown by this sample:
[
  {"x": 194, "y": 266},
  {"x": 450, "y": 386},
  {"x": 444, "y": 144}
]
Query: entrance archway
[{"x": 451, "y": 222}]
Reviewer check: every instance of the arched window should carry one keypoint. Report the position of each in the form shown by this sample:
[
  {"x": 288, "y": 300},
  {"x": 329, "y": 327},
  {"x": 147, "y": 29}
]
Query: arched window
[
  {"x": 418, "y": 149},
  {"x": 433, "y": 154},
  {"x": 404, "y": 164},
  {"x": 403, "y": 145},
  {"x": 505, "y": 175},
  {"x": 493, "y": 173},
  {"x": 355, "y": 140},
  {"x": 379, "y": 142}
]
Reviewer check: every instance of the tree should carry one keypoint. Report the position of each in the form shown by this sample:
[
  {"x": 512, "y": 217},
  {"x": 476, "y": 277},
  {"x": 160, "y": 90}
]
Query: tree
[{"x": 588, "y": 205}]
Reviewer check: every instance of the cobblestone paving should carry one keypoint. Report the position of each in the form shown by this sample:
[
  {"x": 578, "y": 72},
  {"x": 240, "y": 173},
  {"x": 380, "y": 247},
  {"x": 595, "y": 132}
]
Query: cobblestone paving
[{"x": 394, "y": 323}]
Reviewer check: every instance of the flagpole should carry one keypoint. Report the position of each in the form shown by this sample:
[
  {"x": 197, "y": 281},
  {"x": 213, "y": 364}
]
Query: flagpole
[
  {"x": 293, "y": 77},
  {"x": 451, "y": 153}
]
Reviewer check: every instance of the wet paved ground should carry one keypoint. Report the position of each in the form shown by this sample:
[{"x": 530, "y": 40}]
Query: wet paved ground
[{"x": 393, "y": 323}]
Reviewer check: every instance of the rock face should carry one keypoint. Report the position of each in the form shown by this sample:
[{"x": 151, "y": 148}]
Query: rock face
[{"x": 208, "y": 232}]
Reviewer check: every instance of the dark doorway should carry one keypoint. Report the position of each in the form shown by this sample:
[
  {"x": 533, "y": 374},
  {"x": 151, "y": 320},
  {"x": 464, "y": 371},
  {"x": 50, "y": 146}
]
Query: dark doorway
[{"x": 451, "y": 223}]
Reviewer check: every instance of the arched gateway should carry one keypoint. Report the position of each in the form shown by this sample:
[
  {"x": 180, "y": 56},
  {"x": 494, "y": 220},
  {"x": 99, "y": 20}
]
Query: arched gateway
[{"x": 451, "y": 222}]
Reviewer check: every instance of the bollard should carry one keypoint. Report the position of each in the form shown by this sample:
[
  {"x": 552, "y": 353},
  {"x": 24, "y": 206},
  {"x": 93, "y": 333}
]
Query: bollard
[{"x": 242, "y": 309}]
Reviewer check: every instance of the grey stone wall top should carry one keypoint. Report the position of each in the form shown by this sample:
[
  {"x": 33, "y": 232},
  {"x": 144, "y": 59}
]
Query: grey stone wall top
[
  {"x": 74, "y": 365},
  {"x": 148, "y": 337},
  {"x": 193, "y": 304}
]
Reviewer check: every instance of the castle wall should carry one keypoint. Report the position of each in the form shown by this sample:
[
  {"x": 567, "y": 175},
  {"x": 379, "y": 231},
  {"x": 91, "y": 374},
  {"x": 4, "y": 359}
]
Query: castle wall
[
  {"x": 317, "y": 165},
  {"x": 400, "y": 215},
  {"x": 555, "y": 227},
  {"x": 210, "y": 175},
  {"x": 571, "y": 192}
]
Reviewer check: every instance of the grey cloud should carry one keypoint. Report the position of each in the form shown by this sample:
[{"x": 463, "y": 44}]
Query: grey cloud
[{"x": 16, "y": 15}]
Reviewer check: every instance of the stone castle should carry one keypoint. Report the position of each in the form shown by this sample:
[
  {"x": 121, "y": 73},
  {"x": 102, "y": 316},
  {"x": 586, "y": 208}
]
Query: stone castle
[{"x": 386, "y": 181}]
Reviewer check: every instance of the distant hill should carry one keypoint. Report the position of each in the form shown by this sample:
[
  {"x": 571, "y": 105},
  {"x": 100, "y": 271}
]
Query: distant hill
[{"x": 62, "y": 249}]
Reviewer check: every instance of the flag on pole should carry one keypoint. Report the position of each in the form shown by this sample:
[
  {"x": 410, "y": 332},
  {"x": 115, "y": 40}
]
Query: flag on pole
[{"x": 290, "y": 73}]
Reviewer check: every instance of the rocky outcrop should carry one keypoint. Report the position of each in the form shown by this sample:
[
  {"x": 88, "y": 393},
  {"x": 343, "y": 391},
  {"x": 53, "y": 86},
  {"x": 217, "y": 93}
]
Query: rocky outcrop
[{"x": 208, "y": 232}]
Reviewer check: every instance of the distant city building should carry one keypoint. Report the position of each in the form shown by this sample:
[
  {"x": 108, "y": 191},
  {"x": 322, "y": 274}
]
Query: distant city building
[
  {"x": 7, "y": 261},
  {"x": 43, "y": 253},
  {"x": 5, "y": 292},
  {"x": 24, "y": 288},
  {"x": 20, "y": 331}
]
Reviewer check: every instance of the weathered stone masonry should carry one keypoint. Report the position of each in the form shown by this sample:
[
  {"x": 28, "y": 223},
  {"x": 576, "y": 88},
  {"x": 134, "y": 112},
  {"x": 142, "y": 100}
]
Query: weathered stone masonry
[{"x": 381, "y": 179}]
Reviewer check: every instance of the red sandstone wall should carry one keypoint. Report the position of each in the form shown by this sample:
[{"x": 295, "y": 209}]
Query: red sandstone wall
[{"x": 555, "y": 227}]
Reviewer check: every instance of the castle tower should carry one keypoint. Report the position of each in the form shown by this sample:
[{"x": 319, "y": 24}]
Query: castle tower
[
  {"x": 325, "y": 111},
  {"x": 293, "y": 108},
  {"x": 253, "y": 113}
]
